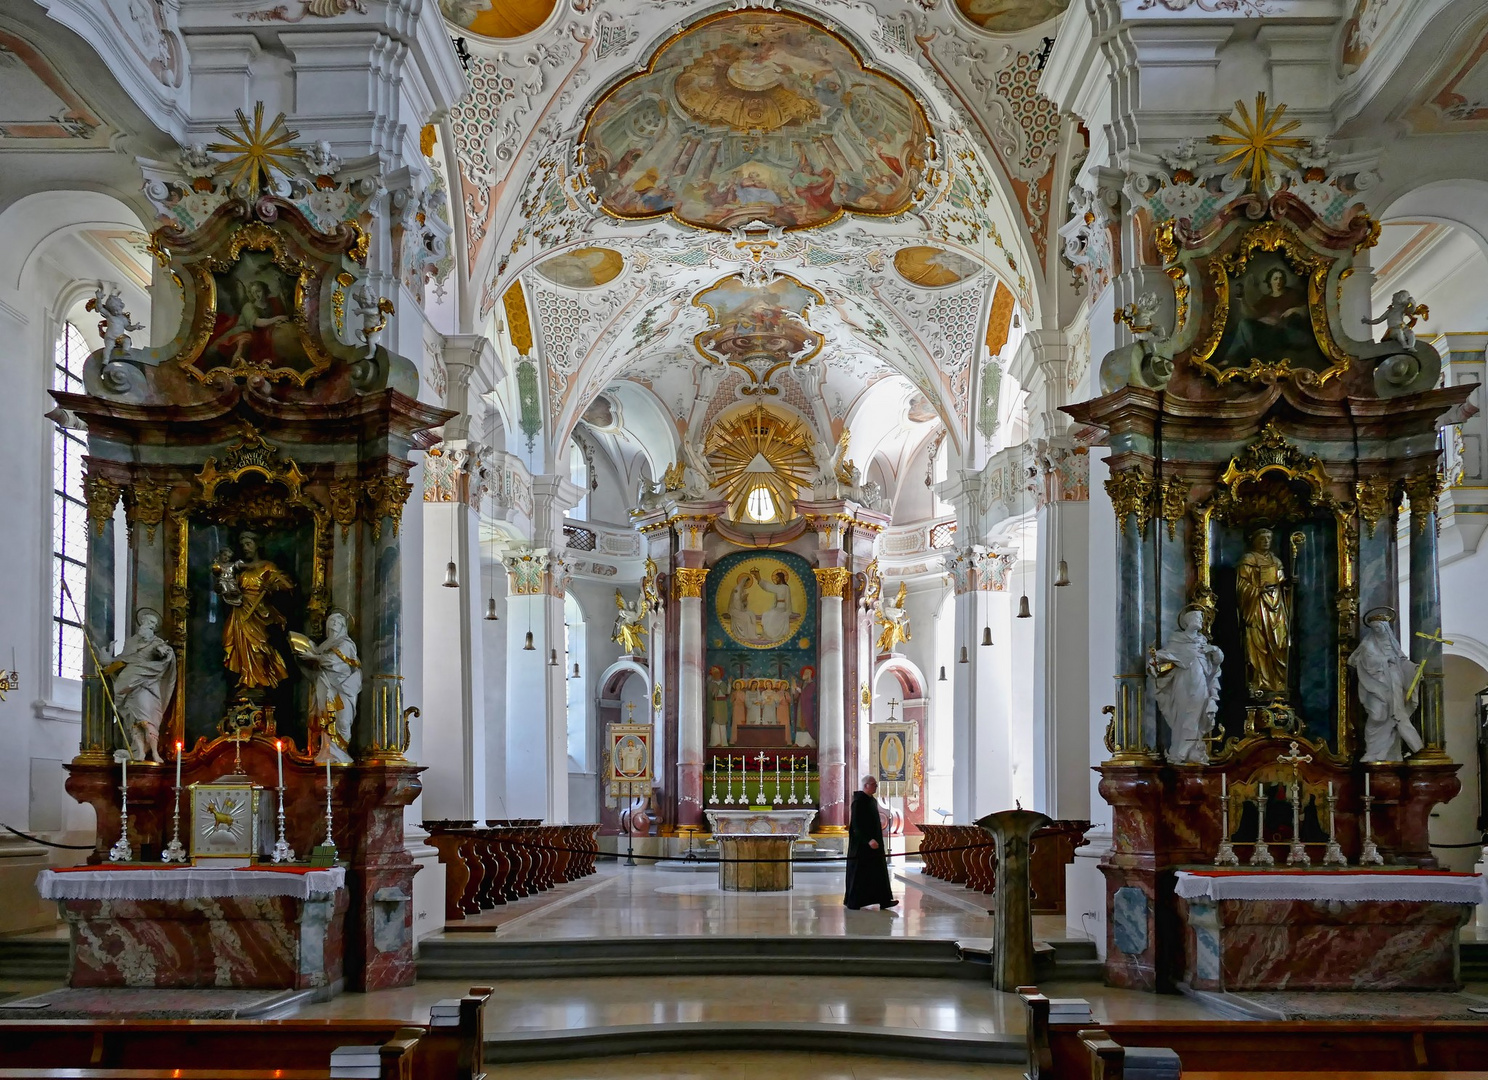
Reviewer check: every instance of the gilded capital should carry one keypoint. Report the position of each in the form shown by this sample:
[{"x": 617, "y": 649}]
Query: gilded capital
[
  {"x": 386, "y": 496},
  {"x": 689, "y": 581},
  {"x": 1131, "y": 493},
  {"x": 1423, "y": 490},
  {"x": 101, "y": 495},
  {"x": 1378, "y": 497},
  {"x": 144, "y": 504},
  {"x": 832, "y": 580}
]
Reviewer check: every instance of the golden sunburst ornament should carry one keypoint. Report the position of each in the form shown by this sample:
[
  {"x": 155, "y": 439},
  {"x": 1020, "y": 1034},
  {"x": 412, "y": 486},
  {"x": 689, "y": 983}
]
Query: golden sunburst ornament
[
  {"x": 762, "y": 455},
  {"x": 255, "y": 152},
  {"x": 1257, "y": 141}
]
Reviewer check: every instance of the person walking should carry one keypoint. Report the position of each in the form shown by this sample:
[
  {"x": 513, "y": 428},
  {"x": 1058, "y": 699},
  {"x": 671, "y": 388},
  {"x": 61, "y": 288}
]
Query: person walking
[{"x": 867, "y": 861}]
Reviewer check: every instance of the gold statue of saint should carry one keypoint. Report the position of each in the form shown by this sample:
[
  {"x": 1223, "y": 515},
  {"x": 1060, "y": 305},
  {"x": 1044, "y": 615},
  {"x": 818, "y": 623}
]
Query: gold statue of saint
[
  {"x": 246, "y": 581},
  {"x": 1262, "y": 589}
]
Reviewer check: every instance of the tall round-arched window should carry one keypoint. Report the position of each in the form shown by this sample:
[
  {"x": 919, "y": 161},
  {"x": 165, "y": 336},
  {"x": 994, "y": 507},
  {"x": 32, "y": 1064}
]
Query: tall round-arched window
[{"x": 761, "y": 505}]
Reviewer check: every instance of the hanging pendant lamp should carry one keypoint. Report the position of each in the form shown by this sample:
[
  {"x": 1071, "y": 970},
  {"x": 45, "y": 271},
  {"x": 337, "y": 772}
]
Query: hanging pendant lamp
[
  {"x": 1023, "y": 612},
  {"x": 491, "y": 609},
  {"x": 963, "y": 659},
  {"x": 451, "y": 576},
  {"x": 1063, "y": 578},
  {"x": 575, "y": 675},
  {"x": 529, "y": 647},
  {"x": 986, "y": 635},
  {"x": 552, "y": 658},
  {"x": 942, "y": 674}
]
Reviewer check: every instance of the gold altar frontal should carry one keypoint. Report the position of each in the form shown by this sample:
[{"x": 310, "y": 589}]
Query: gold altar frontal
[{"x": 757, "y": 863}]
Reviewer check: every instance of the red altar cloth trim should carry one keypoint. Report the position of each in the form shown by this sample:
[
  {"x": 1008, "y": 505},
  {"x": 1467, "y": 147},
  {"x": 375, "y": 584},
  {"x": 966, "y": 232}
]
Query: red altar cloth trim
[
  {"x": 1422, "y": 886},
  {"x": 188, "y": 882}
]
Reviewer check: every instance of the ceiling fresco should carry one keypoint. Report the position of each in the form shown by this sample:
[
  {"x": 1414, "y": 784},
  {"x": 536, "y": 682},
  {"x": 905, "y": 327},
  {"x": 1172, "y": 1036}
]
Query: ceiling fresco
[
  {"x": 756, "y": 116},
  {"x": 583, "y": 268},
  {"x": 932, "y": 268},
  {"x": 498, "y": 18},
  {"x": 1010, "y": 16},
  {"x": 764, "y": 323}
]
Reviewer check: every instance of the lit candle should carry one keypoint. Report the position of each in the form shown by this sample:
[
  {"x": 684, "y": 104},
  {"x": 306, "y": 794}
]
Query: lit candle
[
  {"x": 179, "y": 745},
  {"x": 1366, "y": 783},
  {"x": 279, "y": 752}
]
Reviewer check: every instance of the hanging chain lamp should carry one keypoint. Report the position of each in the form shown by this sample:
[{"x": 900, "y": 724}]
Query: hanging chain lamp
[
  {"x": 552, "y": 658},
  {"x": 963, "y": 659},
  {"x": 529, "y": 647},
  {"x": 1063, "y": 577},
  {"x": 1023, "y": 612},
  {"x": 491, "y": 609},
  {"x": 451, "y": 576},
  {"x": 575, "y": 674},
  {"x": 942, "y": 674}
]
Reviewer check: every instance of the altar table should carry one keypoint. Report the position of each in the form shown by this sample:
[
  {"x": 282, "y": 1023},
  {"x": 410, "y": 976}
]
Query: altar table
[
  {"x": 780, "y": 822},
  {"x": 1324, "y": 929},
  {"x": 760, "y": 863},
  {"x": 177, "y": 927}
]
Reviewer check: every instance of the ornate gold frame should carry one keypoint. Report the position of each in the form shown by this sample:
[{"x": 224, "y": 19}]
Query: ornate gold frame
[
  {"x": 1267, "y": 236},
  {"x": 252, "y": 455},
  {"x": 254, "y": 236},
  {"x": 1272, "y": 453}
]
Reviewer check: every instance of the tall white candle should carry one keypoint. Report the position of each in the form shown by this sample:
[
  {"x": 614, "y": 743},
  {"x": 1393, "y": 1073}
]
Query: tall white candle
[
  {"x": 1224, "y": 784},
  {"x": 1330, "y": 789},
  {"x": 1366, "y": 783},
  {"x": 179, "y": 745},
  {"x": 279, "y": 752}
]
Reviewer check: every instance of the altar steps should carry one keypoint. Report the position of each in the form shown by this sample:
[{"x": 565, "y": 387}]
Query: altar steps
[
  {"x": 716, "y": 1037},
  {"x": 1473, "y": 956},
  {"x": 33, "y": 959},
  {"x": 916, "y": 958}
]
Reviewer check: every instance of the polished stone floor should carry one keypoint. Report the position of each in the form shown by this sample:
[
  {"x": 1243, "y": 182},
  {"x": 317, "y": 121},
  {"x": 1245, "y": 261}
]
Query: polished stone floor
[
  {"x": 648, "y": 902},
  {"x": 751, "y": 1067}
]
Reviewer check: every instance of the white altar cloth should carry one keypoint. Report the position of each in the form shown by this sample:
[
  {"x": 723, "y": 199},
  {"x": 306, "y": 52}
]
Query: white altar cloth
[
  {"x": 1340, "y": 885},
  {"x": 187, "y": 883}
]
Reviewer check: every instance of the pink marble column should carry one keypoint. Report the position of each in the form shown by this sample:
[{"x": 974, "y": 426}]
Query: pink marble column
[
  {"x": 832, "y": 720},
  {"x": 690, "y": 695}
]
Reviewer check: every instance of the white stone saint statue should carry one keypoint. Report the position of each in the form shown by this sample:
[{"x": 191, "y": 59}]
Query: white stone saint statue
[
  {"x": 1186, "y": 672},
  {"x": 1385, "y": 675},
  {"x": 335, "y": 673},
  {"x": 144, "y": 673}
]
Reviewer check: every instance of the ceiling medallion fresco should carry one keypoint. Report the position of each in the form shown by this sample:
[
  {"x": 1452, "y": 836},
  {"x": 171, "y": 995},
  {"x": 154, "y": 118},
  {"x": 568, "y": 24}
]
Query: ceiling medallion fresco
[
  {"x": 756, "y": 116},
  {"x": 931, "y": 267},
  {"x": 1010, "y": 16},
  {"x": 498, "y": 18},
  {"x": 583, "y": 268},
  {"x": 759, "y": 328}
]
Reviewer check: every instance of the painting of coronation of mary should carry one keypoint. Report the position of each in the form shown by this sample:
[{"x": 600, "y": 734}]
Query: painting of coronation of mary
[
  {"x": 255, "y": 322},
  {"x": 1269, "y": 318},
  {"x": 761, "y": 604}
]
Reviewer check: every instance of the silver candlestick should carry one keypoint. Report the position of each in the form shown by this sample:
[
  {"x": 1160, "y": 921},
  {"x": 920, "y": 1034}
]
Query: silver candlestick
[
  {"x": 728, "y": 796},
  {"x": 330, "y": 842},
  {"x": 1261, "y": 856},
  {"x": 714, "y": 799},
  {"x": 283, "y": 853},
  {"x": 1225, "y": 856},
  {"x": 174, "y": 852},
  {"x": 777, "y": 798},
  {"x": 792, "y": 800},
  {"x": 761, "y": 796},
  {"x": 121, "y": 851},
  {"x": 1333, "y": 856},
  {"x": 1369, "y": 855}
]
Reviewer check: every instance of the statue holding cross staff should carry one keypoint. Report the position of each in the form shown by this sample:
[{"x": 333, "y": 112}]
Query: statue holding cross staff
[{"x": 1387, "y": 688}]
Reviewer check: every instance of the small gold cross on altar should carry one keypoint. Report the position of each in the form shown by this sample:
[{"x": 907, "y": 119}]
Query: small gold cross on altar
[{"x": 630, "y": 713}]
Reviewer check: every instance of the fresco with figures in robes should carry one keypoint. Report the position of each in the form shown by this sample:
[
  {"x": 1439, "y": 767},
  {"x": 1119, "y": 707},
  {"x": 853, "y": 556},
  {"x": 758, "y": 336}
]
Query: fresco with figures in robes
[{"x": 761, "y": 686}]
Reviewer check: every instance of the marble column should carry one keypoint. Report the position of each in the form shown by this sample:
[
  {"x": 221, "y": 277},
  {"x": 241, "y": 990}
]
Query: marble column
[
  {"x": 982, "y": 778},
  {"x": 690, "y": 581},
  {"x": 832, "y": 713},
  {"x": 97, "y": 604},
  {"x": 1131, "y": 498},
  {"x": 1423, "y": 490}
]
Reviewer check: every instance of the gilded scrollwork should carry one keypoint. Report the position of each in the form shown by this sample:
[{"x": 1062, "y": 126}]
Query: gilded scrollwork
[
  {"x": 346, "y": 497},
  {"x": 145, "y": 504},
  {"x": 1377, "y": 497},
  {"x": 833, "y": 580},
  {"x": 386, "y": 497},
  {"x": 102, "y": 495},
  {"x": 1173, "y": 503},
  {"x": 1423, "y": 489},
  {"x": 1130, "y": 490},
  {"x": 689, "y": 581}
]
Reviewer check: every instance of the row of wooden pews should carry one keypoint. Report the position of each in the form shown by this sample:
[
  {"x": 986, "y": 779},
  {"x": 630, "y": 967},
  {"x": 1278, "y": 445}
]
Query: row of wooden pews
[
  {"x": 965, "y": 855},
  {"x": 1250, "y": 1049},
  {"x": 498, "y": 861},
  {"x": 241, "y": 1049}
]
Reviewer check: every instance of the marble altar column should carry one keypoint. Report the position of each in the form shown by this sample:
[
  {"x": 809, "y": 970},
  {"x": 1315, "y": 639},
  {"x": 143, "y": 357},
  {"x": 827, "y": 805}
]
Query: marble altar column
[
  {"x": 97, "y": 604},
  {"x": 690, "y": 683},
  {"x": 1132, "y": 735},
  {"x": 1423, "y": 489},
  {"x": 1012, "y": 916},
  {"x": 832, "y": 713}
]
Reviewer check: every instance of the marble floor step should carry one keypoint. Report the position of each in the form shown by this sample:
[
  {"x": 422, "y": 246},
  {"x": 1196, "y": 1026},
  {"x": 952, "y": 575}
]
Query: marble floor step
[
  {"x": 33, "y": 958},
  {"x": 467, "y": 958},
  {"x": 920, "y": 1044}
]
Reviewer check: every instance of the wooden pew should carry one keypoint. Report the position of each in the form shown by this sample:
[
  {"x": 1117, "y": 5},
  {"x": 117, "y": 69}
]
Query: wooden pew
[
  {"x": 114, "y": 1047},
  {"x": 1281, "y": 1048},
  {"x": 965, "y": 855},
  {"x": 491, "y": 864}
]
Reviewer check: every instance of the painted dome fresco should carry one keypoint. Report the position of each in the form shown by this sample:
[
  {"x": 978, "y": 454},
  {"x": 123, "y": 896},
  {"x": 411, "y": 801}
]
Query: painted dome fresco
[{"x": 756, "y": 116}]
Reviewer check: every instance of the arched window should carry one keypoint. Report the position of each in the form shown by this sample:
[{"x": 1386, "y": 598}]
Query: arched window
[
  {"x": 577, "y": 695},
  {"x": 69, "y": 513},
  {"x": 761, "y": 505}
]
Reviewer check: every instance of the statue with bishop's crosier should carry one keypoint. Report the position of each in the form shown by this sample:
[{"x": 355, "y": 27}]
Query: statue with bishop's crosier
[{"x": 1263, "y": 592}]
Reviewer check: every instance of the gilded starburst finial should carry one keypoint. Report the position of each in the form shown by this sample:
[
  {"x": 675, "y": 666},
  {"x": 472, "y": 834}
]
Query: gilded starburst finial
[
  {"x": 1257, "y": 141},
  {"x": 254, "y": 151}
]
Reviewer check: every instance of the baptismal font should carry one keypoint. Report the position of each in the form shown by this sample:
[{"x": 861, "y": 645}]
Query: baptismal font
[{"x": 1264, "y": 684}]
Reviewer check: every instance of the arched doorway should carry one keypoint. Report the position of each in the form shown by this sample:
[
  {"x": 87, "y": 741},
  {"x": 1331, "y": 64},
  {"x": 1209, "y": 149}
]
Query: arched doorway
[
  {"x": 624, "y": 684},
  {"x": 899, "y": 689}
]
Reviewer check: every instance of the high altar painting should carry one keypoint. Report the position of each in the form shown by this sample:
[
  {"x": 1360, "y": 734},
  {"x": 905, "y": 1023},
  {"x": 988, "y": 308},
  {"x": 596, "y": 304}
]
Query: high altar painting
[
  {"x": 796, "y": 130},
  {"x": 761, "y": 688}
]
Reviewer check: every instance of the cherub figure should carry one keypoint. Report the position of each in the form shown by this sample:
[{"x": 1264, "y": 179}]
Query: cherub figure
[
  {"x": 894, "y": 620},
  {"x": 630, "y": 625},
  {"x": 373, "y": 310},
  {"x": 225, "y": 569},
  {"x": 1400, "y": 319},
  {"x": 116, "y": 323}
]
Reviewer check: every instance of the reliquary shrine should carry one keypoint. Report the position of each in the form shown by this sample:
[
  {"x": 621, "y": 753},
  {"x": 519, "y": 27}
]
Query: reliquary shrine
[{"x": 1268, "y": 667}]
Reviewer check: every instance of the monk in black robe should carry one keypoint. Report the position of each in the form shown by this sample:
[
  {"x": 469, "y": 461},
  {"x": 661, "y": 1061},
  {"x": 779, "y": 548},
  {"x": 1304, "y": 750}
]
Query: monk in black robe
[{"x": 867, "y": 861}]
